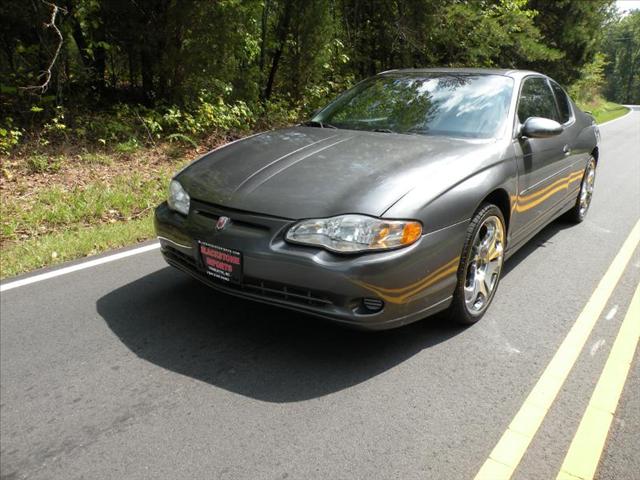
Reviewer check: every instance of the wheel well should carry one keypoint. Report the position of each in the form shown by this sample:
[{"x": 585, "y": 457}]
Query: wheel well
[{"x": 500, "y": 198}]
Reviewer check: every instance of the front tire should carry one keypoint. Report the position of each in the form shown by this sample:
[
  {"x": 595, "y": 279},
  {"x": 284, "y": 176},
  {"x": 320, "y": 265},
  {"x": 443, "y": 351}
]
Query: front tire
[
  {"x": 480, "y": 265},
  {"x": 583, "y": 202}
]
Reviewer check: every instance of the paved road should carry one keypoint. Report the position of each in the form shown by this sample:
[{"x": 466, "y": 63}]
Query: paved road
[{"x": 133, "y": 370}]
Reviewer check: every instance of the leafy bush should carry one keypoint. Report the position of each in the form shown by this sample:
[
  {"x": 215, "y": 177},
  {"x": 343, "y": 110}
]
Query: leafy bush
[
  {"x": 126, "y": 128},
  {"x": 40, "y": 163},
  {"x": 205, "y": 116},
  {"x": 588, "y": 87},
  {"x": 181, "y": 137},
  {"x": 37, "y": 163},
  {"x": 129, "y": 146},
  {"x": 9, "y": 136}
]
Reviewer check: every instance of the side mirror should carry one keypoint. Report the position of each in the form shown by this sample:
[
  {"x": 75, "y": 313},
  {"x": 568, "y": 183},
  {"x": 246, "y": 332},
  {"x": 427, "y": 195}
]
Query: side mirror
[{"x": 538, "y": 127}]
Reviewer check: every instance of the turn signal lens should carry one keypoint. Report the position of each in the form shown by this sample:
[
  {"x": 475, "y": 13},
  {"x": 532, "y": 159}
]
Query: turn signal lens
[{"x": 411, "y": 233}]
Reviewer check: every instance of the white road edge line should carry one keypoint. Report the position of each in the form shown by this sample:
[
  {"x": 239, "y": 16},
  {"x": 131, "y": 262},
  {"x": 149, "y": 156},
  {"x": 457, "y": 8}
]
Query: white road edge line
[{"x": 74, "y": 268}]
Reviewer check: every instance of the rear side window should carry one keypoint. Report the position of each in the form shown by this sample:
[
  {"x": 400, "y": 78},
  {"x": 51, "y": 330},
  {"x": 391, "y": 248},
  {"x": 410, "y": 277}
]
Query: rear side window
[
  {"x": 536, "y": 100},
  {"x": 563, "y": 103}
]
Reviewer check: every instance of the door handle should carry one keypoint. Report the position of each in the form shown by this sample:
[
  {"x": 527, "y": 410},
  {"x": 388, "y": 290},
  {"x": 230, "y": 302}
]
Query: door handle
[{"x": 567, "y": 150}]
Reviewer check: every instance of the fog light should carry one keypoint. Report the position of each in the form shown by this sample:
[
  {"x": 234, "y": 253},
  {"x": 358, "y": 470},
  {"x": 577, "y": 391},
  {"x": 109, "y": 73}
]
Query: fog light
[{"x": 372, "y": 305}]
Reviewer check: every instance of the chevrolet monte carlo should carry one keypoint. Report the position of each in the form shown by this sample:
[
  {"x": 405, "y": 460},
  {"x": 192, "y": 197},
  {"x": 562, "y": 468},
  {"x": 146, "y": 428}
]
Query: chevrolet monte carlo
[{"x": 401, "y": 198}]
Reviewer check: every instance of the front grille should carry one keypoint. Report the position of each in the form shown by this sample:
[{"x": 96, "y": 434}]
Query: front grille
[
  {"x": 172, "y": 254},
  {"x": 283, "y": 292},
  {"x": 235, "y": 221},
  {"x": 238, "y": 218},
  {"x": 262, "y": 288}
]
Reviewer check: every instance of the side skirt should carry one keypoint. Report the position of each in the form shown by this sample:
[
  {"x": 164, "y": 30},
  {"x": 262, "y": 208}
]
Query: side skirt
[{"x": 536, "y": 227}]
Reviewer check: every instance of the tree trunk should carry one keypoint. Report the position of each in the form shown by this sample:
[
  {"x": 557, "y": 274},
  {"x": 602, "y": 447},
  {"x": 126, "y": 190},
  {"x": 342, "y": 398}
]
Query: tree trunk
[
  {"x": 282, "y": 32},
  {"x": 263, "y": 34},
  {"x": 95, "y": 66},
  {"x": 146, "y": 69}
]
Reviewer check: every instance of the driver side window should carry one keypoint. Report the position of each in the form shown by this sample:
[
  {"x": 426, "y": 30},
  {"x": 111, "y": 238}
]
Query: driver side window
[{"x": 536, "y": 100}]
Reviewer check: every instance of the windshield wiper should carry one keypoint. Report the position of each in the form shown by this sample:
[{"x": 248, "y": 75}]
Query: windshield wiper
[
  {"x": 315, "y": 123},
  {"x": 383, "y": 130},
  {"x": 418, "y": 131}
]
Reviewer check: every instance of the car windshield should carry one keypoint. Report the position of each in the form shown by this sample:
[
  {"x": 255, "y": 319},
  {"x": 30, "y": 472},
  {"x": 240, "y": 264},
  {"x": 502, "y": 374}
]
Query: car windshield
[{"x": 458, "y": 105}]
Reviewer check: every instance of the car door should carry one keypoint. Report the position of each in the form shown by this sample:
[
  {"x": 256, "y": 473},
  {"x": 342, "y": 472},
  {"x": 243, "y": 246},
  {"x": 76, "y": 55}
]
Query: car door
[
  {"x": 544, "y": 167},
  {"x": 575, "y": 156}
]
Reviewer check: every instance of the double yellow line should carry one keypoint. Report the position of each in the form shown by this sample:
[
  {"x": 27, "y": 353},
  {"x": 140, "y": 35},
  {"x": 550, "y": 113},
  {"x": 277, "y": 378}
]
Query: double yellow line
[
  {"x": 508, "y": 452},
  {"x": 587, "y": 445}
]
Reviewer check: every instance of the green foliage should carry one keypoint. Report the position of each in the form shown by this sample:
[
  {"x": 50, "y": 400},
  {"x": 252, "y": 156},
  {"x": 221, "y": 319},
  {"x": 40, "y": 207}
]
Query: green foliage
[
  {"x": 207, "y": 115},
  {"x": 40, "y": 163},
  {"x": 9, "y": 136},
  {"x": 55, "y": 128},
  {"x": 133, "y": 73},
  {"x": 622, "y": 47},
  {"x": 574, "y": 28},
  {"x": 130, "y": 146},
  {"x": 589, "y": 85},
  {"x": 37, "y": 163},
  {"x": 181, "y": 137},
  {"x": 604, "y": 111},
  {"x": 503, "y": 34}
]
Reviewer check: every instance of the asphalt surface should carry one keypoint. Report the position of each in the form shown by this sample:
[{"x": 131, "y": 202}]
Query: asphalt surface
[{"x": 132, "y": 370}]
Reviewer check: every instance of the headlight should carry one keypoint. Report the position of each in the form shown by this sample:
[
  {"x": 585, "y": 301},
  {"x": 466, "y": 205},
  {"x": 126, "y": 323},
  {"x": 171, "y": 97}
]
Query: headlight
[
  {"x": 355, "y": 233},
  {"x": 178, "y": 198}
]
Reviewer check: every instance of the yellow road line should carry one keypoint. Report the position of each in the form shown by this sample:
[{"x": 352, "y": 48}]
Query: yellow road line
[
  {"x": 513, "y": 444},
  {"x": 587, "y": 445}
]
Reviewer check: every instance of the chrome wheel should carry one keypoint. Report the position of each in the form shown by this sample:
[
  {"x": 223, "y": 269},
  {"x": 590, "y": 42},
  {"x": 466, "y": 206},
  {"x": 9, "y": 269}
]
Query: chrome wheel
[
  {"x": 485, "y": 264},
  {"x": 586, "y": 189}
]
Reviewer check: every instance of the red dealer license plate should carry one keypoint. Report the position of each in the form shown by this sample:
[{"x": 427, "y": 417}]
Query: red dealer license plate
[{"x": 221, "y": 263}]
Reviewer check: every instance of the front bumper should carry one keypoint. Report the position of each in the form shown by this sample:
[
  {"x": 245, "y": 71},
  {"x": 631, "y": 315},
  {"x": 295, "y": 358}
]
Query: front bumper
[{"x": 410, "y": 283}]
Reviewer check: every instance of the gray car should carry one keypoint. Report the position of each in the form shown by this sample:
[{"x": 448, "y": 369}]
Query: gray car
[{"x": 401, "y": 198}]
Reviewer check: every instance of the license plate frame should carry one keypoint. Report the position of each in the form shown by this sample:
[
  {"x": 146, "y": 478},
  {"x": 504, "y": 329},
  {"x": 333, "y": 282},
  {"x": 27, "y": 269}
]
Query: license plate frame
[{"x": 221, "y": 263}]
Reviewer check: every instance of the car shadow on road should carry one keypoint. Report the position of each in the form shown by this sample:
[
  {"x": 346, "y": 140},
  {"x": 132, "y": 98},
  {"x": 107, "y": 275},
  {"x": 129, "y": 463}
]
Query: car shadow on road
[
  {"x": 263, "y": 352},
  {"x": 256, "y": 350},
  {"x": 540, "y": 240}
]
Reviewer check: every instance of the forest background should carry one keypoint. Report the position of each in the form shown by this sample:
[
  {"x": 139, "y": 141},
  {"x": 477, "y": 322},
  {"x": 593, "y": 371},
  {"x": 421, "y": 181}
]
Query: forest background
[{"x": 102, "y": 100}]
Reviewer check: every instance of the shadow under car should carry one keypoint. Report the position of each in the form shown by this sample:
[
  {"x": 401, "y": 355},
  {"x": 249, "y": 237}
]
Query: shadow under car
[{"x": 257, "y": 350}]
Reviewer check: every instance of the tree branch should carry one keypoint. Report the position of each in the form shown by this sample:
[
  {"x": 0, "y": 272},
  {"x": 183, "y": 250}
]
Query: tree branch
[{"x": 52, "y": 24}]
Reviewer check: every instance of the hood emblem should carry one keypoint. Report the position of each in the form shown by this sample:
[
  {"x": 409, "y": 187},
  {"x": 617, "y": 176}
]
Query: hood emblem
[{"x": 222, "y": 222}]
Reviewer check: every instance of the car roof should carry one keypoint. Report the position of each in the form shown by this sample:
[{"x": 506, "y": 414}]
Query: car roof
[{"x": 514, "y": 73}]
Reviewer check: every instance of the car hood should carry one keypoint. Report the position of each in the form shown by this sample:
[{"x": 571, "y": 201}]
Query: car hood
[{"x": 305, "y": 172}]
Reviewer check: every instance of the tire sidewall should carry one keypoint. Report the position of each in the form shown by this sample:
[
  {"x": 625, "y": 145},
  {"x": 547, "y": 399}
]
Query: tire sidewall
[
  {"x": 574, "y": 214},
  {"x": 459, "y": 308},
  {"x": 581, "y": 215}
]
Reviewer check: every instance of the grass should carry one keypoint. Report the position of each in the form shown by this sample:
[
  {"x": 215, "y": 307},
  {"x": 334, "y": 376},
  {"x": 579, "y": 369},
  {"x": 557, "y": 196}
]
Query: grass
[
  {"x": 124, "y": 197},
  {"x": 59, "y": 207},
  {"x": 604, "y": 111},
  {"x": 67, "y": 245},
  {"x": 95, "y": 158}
]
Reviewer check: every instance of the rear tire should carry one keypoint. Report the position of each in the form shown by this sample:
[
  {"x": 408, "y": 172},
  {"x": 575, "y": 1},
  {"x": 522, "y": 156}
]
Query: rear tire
[
  {"x": 578, "y": 213},
  {"x": 480, "y": 265}
]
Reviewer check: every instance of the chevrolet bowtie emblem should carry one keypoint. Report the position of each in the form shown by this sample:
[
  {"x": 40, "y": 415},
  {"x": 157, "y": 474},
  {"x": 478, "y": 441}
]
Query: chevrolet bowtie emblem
[{"x": 222, "y": 222}]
